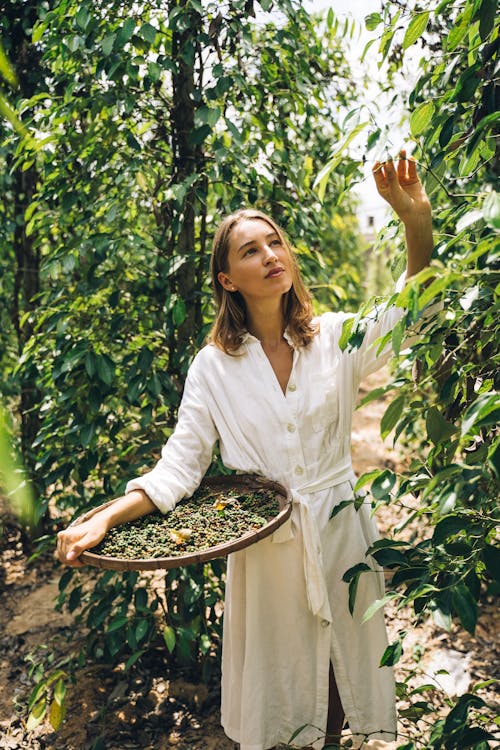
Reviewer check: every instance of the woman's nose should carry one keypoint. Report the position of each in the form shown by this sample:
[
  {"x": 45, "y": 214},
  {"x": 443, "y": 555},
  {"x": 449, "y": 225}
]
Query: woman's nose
[{"x": 269, "y": 254}]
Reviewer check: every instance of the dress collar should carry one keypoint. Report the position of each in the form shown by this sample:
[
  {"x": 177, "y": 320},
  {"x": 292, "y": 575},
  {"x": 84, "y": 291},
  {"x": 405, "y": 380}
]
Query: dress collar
[{"x": 249, "y": 338}]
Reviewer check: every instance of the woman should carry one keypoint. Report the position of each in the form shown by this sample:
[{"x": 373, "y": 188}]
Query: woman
[{"x": 275, "y": 390}]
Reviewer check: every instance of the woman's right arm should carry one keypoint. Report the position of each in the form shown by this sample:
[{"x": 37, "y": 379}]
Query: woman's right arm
[
  {"x": 74, "y": 540},
  {"x": 185, "y": 458}
]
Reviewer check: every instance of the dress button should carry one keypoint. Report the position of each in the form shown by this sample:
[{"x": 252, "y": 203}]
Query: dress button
[
  {"x": 292, "y": 387},
  {"x": 290, "y": 427},
  {"x": 324, "y": 623},
  {"x": 299, "y": 470}
]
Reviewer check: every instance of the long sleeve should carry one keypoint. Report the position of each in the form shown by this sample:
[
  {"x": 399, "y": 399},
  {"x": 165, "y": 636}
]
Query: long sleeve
[{"x": 186, "y": 455}]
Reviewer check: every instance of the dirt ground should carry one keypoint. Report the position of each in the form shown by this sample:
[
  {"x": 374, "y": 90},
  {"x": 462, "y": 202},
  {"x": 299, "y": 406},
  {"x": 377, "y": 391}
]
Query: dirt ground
[{"x": 150, "y": 707}]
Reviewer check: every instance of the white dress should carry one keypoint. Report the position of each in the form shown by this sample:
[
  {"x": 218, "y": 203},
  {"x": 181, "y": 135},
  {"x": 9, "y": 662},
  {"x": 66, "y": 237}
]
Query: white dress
[{"x": 286, "y": 609}]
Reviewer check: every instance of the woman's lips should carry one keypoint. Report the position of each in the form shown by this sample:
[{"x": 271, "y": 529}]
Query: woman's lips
[{"x": 275, "y": 272}]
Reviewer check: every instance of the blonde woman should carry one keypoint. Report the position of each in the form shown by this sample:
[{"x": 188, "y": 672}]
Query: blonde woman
[{"x": 273, "y": 388}]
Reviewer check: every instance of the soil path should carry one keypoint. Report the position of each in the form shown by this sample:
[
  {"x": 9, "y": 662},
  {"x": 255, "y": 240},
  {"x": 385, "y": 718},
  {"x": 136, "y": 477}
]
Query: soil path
[{"x": 150, "y": 708}]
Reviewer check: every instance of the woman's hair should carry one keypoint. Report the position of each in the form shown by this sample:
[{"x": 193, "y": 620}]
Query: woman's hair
[{"x": 230, "y": 324}]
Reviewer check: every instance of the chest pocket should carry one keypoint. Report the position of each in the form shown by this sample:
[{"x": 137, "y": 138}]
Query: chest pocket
[{"x": 324, "y": 400}]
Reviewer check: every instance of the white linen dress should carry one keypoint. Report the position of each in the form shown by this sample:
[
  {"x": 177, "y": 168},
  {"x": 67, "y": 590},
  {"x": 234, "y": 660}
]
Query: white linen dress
[{"x": 286, "y": 610}]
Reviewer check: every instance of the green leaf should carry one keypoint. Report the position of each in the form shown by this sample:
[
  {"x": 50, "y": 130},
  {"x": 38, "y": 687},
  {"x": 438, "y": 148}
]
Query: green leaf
[
  {"x": 487, "y": 15},
  {"x": 392, "y": 415},
  {"x": 126, "y": 31},
  {"x": 442, "y": 619},
  {"x": 483, "y": 411},
  {"x": 346, "y": 332},
  {"x": 321, "y": 180},
  {"x": 378, "y": 604},
  {"x": 141, "y": 630},
  {"x": 179, "y": 311},
  {"x": 491, "y": 557},
  {"x": 117, "y": 623},
  {"x": 392, "y": 654},
  {"x": 87, "y": 433},
  {"x": 457, "y": 33},
  {"x": 465, "y": 606},
  {"x": 38, "y": 29},
  {"x": 383, "y": 484},
  {"x": 494, "y": 457},
  {"x": 141, "y": 599},
  {"x": 169, "y": 637},
  {"x": 397, "y": 336},
  {"x": 36, "y": 715},
  {"x": 82, "y": 17},
  {"x": 60, "y": 691},
  {"x": 337, "y": 508},
  {"x": 132, "y": 659},
  {"x": 449, "y": 526},
  {"x": 491, "y": 210},
  {"x": 105, "y": 368},
  {"x": 372, "y": 21},
  {"x": 416, "y": 28},
  {"x": 421, "y": 118},
  {"x": 352, "y": 576},
  {"x": 56, "y": 715},
  {"x": 438, "y": 428},
  {"x": 205, "y": 643},
  {"x": 197, "y": 136},
  {"x": 154, "y": 71},
  {"x": 374, "y": 395},
  {"x": 148, "y": 32},
  {"x": 297, "y": 732},
  {"x": 107, "y": 44},
  {"x": 366, "y": 478}
]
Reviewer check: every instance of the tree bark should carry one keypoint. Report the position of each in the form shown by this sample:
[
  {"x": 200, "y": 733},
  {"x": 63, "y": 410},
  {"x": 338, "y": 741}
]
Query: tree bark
[{"x": 186, "y": 162}]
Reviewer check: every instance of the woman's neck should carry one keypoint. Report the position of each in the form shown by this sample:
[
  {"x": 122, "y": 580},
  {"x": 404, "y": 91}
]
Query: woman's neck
[{"x": 267, "y": 324}]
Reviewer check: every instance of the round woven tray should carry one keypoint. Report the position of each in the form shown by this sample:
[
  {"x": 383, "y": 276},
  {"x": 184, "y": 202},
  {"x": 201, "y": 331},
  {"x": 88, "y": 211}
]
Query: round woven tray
[{"x": 238, "y": 482}]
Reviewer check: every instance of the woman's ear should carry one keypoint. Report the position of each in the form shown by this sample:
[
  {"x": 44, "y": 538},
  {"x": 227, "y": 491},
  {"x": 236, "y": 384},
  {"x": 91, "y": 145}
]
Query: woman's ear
[{"x": 226, "y": 282}]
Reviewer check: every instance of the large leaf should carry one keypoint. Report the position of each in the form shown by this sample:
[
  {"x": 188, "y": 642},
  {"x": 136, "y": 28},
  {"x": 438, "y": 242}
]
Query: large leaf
[
  {"x": 421, "y": 118},
  {"x": 392, "y": 415},
  {"x": 465, "y": 606},
  {"x": 484, "y": 411},
  {"x": 416, "y": 28},
  {"x": 491, "y": 210},
  {"x": 321, "y": 180},
  {"x": 438, "y": 428}
]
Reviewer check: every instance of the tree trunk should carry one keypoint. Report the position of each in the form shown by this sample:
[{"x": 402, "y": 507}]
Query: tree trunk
[
  {"x": 26, "y": 287},
  {"x": 186, "y": 161}
]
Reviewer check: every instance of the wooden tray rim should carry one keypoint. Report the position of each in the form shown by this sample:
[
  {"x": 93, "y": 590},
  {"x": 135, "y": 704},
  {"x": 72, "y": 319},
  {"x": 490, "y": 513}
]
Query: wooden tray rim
[{"x": 221, "y": 481}]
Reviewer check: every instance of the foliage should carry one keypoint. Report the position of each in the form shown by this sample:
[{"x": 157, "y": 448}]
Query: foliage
[
  {"x": 48, "y": 696},
  {"x": 445, "y": 390},
  {"x": 133, "y": 132}
]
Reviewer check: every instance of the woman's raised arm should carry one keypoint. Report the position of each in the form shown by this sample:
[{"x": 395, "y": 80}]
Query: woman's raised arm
[{"x": 401, "y": 187}]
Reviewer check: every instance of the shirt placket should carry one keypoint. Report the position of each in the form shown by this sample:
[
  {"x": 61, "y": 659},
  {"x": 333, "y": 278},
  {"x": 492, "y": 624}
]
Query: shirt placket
[{"x": 292, "y": 402}]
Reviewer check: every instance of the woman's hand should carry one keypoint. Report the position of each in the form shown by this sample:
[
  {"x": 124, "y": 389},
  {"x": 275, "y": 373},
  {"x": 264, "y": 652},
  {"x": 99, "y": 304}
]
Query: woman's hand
[
  {"x": 74, "y": 540},
  {"x": 400, "y": 186}
]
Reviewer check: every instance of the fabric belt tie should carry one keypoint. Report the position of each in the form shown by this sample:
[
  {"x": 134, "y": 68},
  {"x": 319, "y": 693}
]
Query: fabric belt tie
[{"x": 317, "y": 593}]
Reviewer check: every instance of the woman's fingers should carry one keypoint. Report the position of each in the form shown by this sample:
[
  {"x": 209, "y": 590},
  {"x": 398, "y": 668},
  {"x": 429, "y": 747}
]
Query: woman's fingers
[
  {"x": 389, "y": 177},
  {"x": 402, "y": 166},
  {"x": 72, "y": 542},
  {"x": 379, "y": 175},
  {"x": 412, "y": 170}
]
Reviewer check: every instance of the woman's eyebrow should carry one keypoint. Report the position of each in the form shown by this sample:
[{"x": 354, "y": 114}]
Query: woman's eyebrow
[{"x": 252, "y": 242}]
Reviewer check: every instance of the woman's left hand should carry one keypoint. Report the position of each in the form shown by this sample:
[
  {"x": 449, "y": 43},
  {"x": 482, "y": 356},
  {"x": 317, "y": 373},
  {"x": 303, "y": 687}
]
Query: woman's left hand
[{"x": 400, "y": 186}]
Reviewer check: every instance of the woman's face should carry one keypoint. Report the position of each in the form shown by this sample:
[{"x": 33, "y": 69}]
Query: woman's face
[{"x": 258, "y": 262}]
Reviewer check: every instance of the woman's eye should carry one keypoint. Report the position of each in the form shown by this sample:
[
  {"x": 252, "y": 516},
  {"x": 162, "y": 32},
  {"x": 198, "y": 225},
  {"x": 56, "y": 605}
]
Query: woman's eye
[
  {"x": 250, "y": 251},
  {"x": 276, "y": 242}
]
